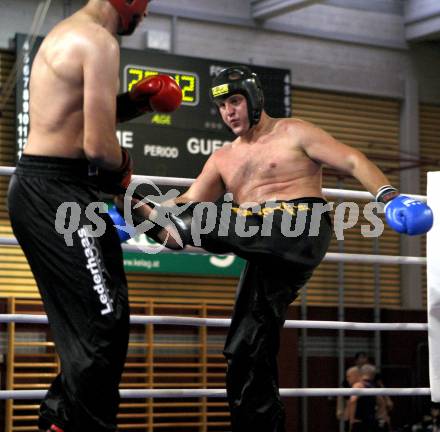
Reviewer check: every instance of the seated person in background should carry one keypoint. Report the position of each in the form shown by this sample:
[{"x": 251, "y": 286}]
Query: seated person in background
[
  {"x": 362, "y": 409},
  {"x": 352, "y": 376},
  {"x": 360, "y": 358}
]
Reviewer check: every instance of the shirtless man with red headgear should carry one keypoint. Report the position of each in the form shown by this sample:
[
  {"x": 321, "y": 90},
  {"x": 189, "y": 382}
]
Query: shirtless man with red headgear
[{"x": 72, "y": 154}]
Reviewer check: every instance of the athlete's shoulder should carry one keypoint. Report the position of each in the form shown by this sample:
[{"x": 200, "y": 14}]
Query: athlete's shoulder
[
  {"x": 294, "y": 122},
  {"x": 297, "y": 127},
  {"x": 82, "y": 34},
  {"x": 97, "y": 40},
  {"x": 226, "y": 148}
]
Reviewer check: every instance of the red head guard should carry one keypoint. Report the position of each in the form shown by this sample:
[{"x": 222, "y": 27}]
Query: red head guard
[{"x": 130, "y": 13}]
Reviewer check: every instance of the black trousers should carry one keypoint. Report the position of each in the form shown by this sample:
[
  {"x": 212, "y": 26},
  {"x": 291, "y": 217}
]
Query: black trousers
[
  {"x": 83, "y": 287},
  {"x": 278, "y": 265}
]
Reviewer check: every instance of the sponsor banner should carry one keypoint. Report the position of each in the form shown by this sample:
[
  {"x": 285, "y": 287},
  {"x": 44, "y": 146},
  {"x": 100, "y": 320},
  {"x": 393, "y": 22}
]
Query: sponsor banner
[{"x": 180, "y": 263}]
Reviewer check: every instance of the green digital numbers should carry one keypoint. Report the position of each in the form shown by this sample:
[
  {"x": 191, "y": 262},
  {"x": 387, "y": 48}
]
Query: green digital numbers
[{"x": 188, "y": 82}]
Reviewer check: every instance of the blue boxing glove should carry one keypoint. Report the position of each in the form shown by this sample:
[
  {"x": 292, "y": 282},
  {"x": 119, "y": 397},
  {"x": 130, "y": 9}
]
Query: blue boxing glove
[
  {"x": 127, "y": 230},
  {"x": 408, "y": 216},
  {"x": 120, "y": 224},
  {"x": 404, "y": 214}
]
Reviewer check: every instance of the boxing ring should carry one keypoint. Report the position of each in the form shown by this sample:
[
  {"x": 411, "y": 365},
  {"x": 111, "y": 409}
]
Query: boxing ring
[{"x": 212, "y": 322}]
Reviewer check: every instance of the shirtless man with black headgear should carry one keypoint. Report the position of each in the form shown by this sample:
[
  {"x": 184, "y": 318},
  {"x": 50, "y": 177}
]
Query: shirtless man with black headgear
[{"x": 261, "y": 198}]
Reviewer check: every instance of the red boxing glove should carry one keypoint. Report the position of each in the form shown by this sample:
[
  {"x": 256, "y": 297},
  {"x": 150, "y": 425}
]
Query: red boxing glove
[
  {"x": 116, "y": 182},
  {"x": 159, "y": 93}
]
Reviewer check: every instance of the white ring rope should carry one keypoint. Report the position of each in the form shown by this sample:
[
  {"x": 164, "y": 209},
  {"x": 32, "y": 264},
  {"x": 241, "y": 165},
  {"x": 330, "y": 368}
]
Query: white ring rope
[
  {"x": 221, "y": 393},
  {"x": 225, "y": 322},
  {"x": 185, "y": 182},
  {"x": 212, "y": 322},
  {"x": 329, "y": 257}
]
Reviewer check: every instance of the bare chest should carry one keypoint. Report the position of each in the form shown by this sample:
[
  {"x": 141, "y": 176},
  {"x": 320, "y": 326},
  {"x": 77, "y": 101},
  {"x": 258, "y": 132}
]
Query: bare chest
[
  {"x": 261, "y": 162},
  {"x": 252, "y": 162}
]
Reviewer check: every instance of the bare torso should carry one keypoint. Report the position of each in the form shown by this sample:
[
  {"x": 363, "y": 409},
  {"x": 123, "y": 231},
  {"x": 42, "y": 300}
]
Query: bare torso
[
  {"x": 271, "y": 167},
  {"x": 57, "y": 90}
]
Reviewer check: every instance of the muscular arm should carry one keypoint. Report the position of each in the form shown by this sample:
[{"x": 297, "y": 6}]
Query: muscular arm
[
  {"x": 322, "y": 147},
  {"x": 101, "y": 77}
]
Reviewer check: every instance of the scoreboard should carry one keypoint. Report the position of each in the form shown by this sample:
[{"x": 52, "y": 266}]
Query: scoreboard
[{"x": 176, "y": 144}]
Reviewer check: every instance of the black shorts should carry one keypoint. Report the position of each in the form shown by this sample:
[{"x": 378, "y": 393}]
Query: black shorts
[
  {"x": 296, "y": 231},
  {"x": 82, "y": 285}
]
